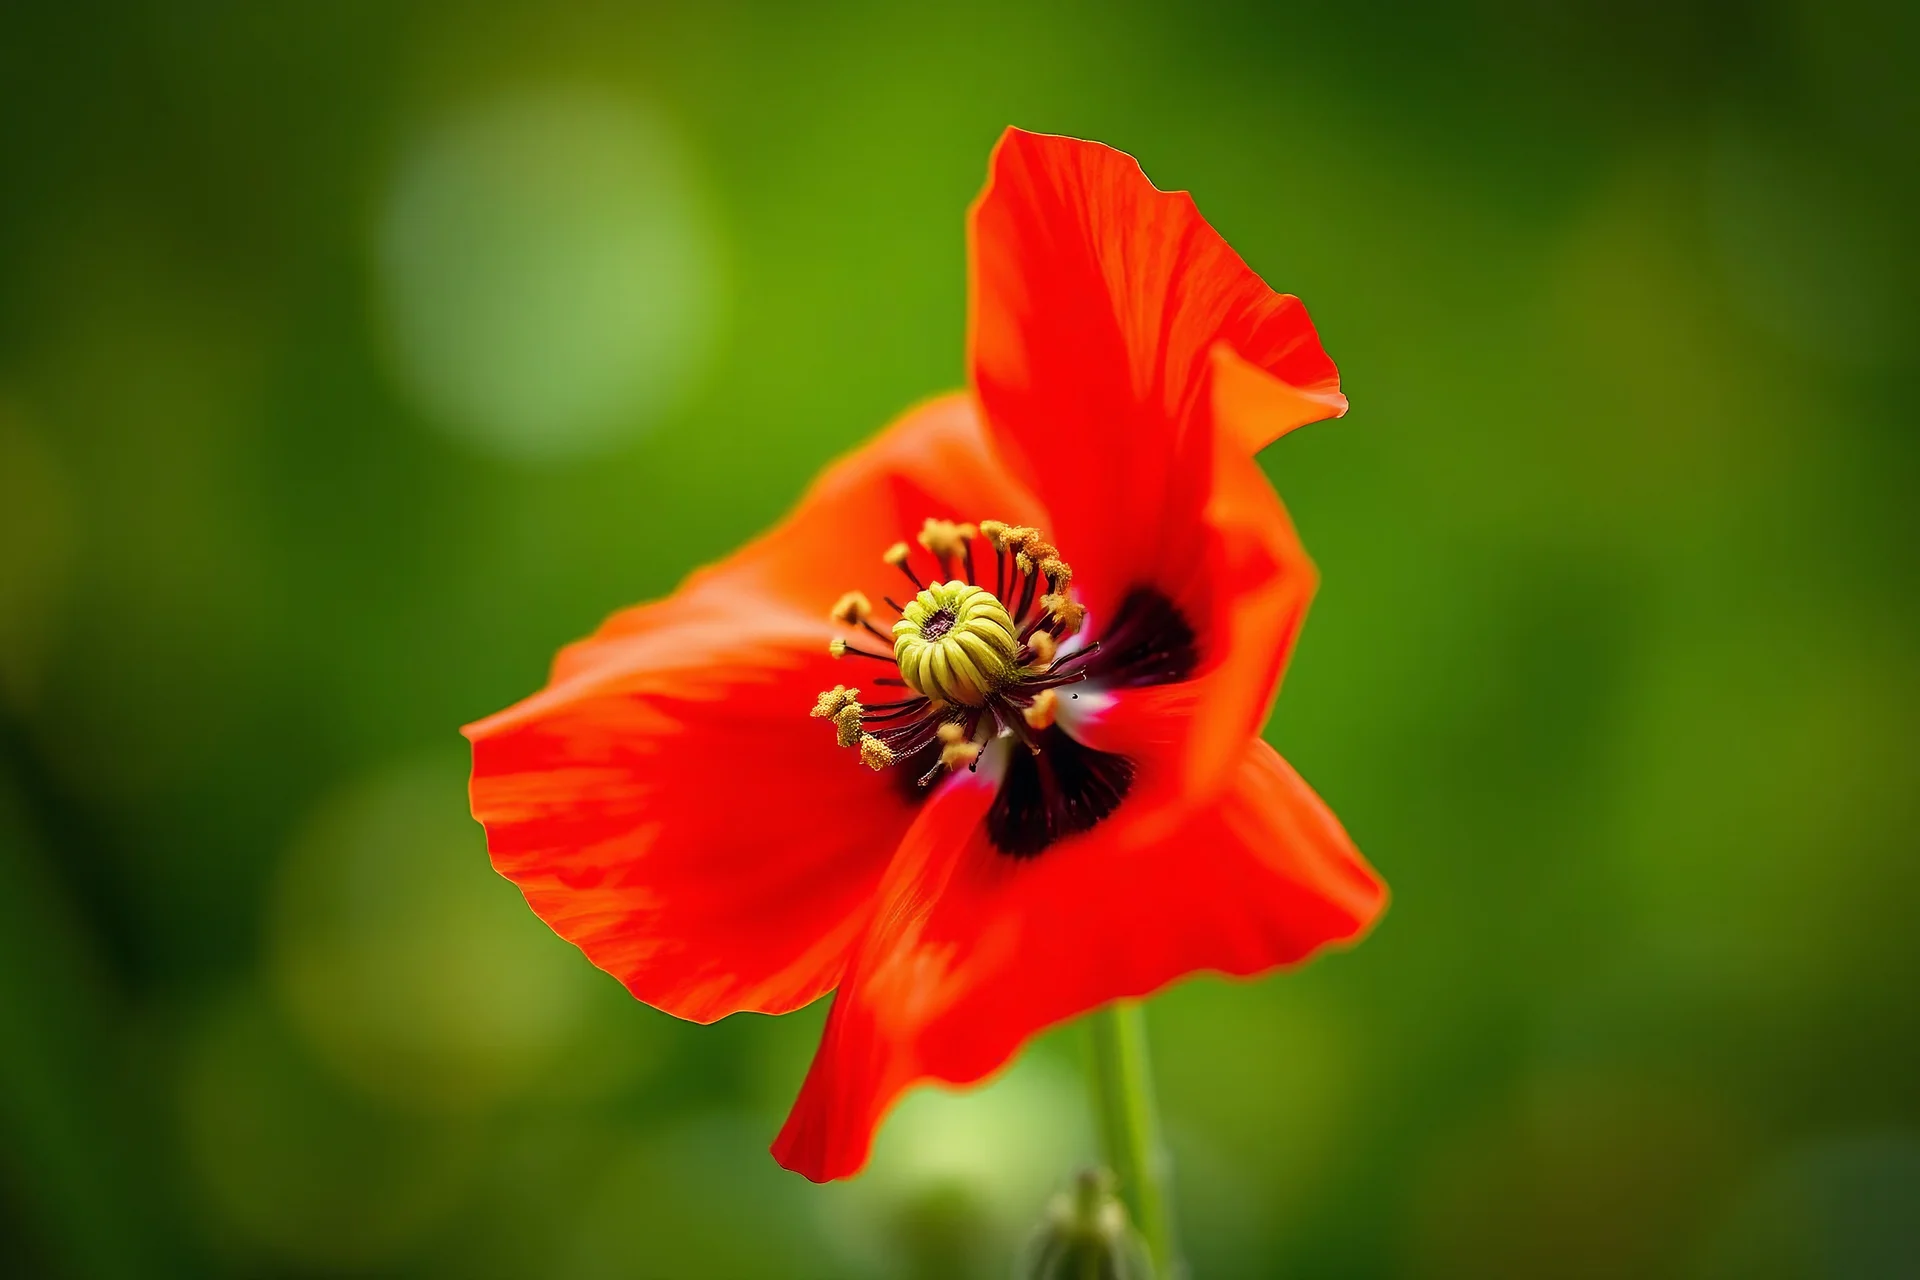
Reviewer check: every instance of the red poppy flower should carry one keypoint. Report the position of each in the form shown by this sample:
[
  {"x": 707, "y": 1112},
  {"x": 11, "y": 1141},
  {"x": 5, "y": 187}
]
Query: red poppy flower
[{"x": 1054, "y": 794}]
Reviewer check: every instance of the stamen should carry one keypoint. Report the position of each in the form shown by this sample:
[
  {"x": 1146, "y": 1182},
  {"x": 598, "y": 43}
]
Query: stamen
[
  {"x": 1017, "y": 725},
  {"x": 840, "y": 649},
  {"x": 1071, "y": 669},
  {"x": 1052, "y": 681},
  {"x": 996, "y": 535},
  {"x": 908, "y": 712},
  {"x": 956, "y": 744},
  {"x": 975, "y": 671},
  {"x": 1148, "y": 641},
  {"x": 851, "y": 608},
  {"x": 958, "y": 754},
  {"x": 945, "y": 540},
  {"x": 905, "y": 739},
  {"x": 1066, "y": 615},
  {"x": 1079, "y": 656},
  {"x": 830, "y": 703},
  {"x": 1031, "y": 585},
  {"x": 896, "y": 556},
  {"x": 1039, "y": 548},
  {"x": 894, "y": 706}
]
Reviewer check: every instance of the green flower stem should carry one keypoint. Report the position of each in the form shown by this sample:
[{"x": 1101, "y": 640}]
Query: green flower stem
[{"x": 1130, "y": 1128}]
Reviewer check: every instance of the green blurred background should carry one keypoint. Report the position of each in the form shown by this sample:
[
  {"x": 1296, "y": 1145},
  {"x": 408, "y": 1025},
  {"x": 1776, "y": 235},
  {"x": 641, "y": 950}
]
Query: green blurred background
[{"x": 355, "y": 356}]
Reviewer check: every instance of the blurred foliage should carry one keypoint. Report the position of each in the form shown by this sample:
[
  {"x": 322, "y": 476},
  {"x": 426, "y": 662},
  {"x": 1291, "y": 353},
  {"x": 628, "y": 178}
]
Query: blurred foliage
[{"x": 355, "y": 356}]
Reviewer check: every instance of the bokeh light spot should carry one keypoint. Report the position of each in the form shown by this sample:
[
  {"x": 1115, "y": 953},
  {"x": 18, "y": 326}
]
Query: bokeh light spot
[
  {"x": 958, "y": 1178},
  {"x": 548, "y": 273},
  {"x": 412, "y": 969},
  {"x": 290, "y": 1163}
]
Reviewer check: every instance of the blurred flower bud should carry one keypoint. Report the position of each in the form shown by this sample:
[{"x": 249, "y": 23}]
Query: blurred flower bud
[{"x": 1085, "y": 1235}]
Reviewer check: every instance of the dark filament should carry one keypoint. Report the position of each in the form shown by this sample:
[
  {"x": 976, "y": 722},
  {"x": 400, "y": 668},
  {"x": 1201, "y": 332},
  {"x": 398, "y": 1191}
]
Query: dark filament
[
  {"x": 1062, "y": 787},
  {"x": 1148, "y": 642},
  {"x": 1054, "y": 786}
]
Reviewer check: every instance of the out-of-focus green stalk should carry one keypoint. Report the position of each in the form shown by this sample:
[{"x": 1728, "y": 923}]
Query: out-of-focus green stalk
[{"x": 1130, "y": 1128}]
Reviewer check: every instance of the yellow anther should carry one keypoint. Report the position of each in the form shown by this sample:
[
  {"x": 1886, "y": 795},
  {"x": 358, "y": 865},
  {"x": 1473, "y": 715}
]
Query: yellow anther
[
  {"x": 1044, "y": 708},
  {"x": 945, "y": 538},
  {"x": 833, "y": 701},
  {"x": 956, "y": 745},
  {"x": 1017, "y": 536},
  {"x": 1064, "y": 611},
  {"x": 955, "y": 643},
  {"x": 851, "y": 608}
]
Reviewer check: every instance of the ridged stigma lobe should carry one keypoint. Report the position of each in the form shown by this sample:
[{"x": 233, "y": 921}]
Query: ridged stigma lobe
[{"x": 956, "y": 643}]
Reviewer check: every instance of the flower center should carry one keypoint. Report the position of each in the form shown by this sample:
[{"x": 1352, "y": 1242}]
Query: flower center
[
  {"x": 939, "y": 624},
  {"x": 974, "y": 666},
  {"x": 955, "y": 643}
]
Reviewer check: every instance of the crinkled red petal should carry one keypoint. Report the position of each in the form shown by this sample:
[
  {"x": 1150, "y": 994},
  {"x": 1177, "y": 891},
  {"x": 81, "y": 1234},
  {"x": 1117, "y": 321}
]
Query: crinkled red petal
[
  {"x": 973, "y": 952},
  {"x": 1101, "y": 307},
  {"x": 1247, "y": 593},
  {"x": 1130, "y": 363},
  {"x": 667, "y": 804}
]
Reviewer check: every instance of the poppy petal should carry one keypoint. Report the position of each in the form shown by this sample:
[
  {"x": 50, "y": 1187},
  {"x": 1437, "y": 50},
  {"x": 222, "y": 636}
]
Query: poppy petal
[
  {"x": 972, "y": 953},
  {"x": 1247, "y": 595},
  {"x": 667, "y": 804},
  {"x": 934, "y": 461},
  {"x": 1255, "y": 405},
  {"x": 1098, "y": 303}
]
